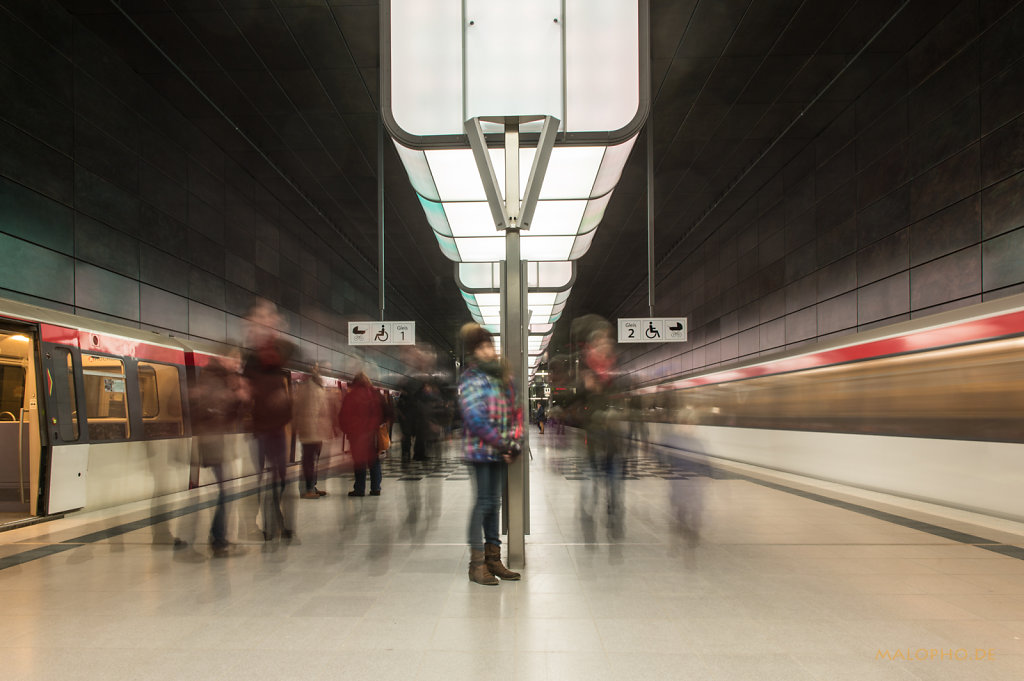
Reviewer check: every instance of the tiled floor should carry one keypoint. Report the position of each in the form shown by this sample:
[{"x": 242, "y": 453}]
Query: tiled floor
[{"x": 780, "y": 586}]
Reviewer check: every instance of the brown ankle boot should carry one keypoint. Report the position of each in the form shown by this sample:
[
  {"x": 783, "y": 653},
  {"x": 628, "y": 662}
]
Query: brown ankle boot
[
  {"x": 493, "y": 557},
  {"x": 478, "y": 571}
]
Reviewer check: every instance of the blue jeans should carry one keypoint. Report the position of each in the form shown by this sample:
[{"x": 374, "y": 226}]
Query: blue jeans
[{"x": 483, "y": 521}]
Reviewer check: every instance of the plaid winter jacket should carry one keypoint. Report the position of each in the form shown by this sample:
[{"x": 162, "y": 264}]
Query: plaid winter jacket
[{"x": 490, "y": 416}]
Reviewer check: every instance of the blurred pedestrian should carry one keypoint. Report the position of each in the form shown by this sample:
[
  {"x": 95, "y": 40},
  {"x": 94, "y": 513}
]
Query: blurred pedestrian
[
  {"x": 429, "y": 406},
  {"x": 420, "y": 407},
  {"x": 493, "y": 426},
  {"x": 405, "y": 413},
  {"x": 599, "y": 384},
  {"x": 558, "y": 419},
  {"x": 313, "y": 425},
  {"x": 216, "y": 402},
  {"x": 269, "y": 383},
  {"x": 542, "y": 417},
  {"x": 361, "y": 416}
]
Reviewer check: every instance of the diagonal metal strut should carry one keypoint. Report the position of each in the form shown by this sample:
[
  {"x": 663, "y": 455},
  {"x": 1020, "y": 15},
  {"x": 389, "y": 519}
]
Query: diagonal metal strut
[{"x": 509, "y": 213}]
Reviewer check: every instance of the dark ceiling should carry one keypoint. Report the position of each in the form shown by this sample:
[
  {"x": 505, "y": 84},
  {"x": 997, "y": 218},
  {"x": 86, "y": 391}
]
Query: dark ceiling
[{"x": 290, "y": 90}]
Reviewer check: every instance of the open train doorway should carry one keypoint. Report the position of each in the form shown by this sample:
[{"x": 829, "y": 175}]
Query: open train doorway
[{"x": 19, "y": 423}]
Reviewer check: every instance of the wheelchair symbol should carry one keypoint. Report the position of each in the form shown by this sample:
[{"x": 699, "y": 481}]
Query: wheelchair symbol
[
  {"x": 652, "y": 332},
  {"x": 382, "y": 335}
]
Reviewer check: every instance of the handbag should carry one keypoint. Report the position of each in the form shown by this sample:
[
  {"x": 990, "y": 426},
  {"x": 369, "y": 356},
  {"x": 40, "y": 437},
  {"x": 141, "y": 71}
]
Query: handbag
[{"x": 383, "y": 438}]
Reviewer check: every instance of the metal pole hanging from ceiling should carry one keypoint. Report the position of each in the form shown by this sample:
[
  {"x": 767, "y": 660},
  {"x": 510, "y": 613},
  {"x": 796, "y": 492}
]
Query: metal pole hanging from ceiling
[
  {"x": 650, "y": 215},
  {"x": 380, "y": 217},
  {"x": 649, "y": 134}
]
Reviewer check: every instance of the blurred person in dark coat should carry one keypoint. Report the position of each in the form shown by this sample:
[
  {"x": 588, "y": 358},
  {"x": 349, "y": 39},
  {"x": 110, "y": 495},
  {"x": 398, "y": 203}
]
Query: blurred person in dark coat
[
  {"x": 420, "y": 407},
  {"x": 362, "y": 413},
  {"x": 269, "y": 384},
  {"x": 314, "y": 426},
  {"x": 405, "y": 413},
  {"x": 216, "y": 402}
]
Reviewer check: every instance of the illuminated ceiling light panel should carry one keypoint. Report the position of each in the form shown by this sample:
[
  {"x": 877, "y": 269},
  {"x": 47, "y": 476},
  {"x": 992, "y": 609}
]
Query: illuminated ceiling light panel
[
  {"x": 442, "y": 70},
  {"x": 481, "y": 249},
  {"x": 545, "y": 307},
  {"x": 573, "y": 199},
  {"x": 582, "y": 62},
  {"x": 537, "y": 344},
  {"x": 539, "y": 275}
]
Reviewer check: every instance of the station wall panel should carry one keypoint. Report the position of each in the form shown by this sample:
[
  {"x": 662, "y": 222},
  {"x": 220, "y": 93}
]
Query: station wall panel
[
  {"x": 906, "y": 203},
  {"x": 114, "y": 205}
]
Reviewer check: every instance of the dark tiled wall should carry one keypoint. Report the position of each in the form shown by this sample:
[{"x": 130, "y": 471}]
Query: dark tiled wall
[
  {"x": 911, "y": 202},
  {"x": 113, "y": 206}
]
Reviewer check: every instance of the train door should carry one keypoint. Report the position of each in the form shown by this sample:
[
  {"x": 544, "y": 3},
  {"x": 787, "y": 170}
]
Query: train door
[{"x": 20, "y": 443}]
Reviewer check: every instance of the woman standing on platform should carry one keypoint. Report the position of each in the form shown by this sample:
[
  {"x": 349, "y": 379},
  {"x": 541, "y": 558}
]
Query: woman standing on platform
[
  {"x": 314, "y": 426},
  {"x": 493, "y": 424},
  {"x": 362, "y": 413}
]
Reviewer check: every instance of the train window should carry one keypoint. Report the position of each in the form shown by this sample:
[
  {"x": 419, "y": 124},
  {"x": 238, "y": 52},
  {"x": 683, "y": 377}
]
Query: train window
[
  {"x": 64, "y": 389},
  {"x": 148, "y": 391},
  {"x": 12, "y": 391},
  {"x": 160, "y": 393},
  {"x": 105, "y": 398}
]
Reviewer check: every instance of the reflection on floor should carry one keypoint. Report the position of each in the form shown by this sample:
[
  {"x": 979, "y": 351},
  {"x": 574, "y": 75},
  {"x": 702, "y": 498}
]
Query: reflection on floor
[
  {"x": 10, "y": 517},
  {"x": 678, "y": 572}
]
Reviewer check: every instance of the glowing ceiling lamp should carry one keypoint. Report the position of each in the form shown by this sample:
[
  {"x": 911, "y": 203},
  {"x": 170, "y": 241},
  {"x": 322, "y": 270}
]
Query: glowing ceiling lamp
[
  {"x": 577, "y": 188},
  {"x": 563, "y": 86}
]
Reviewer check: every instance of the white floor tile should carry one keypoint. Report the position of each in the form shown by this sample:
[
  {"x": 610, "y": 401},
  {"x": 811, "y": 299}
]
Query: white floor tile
[{"x": 779, "y": 587}]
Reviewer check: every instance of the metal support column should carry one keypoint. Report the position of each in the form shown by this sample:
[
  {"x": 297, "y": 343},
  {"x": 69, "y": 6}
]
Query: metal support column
[
  {"x": 512, "y": 348},
  {"x": 524, "y": 396},
  {"x": 513, "y": 211},
  {"x": 512, "y": 342}
]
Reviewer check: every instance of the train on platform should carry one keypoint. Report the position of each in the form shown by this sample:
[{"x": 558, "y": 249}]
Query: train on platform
[
  {"x": 95, "y": 414},
  {"x": 929, "y": 409}
]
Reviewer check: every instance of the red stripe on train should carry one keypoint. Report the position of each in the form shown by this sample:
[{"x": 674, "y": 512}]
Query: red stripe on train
[
  {"x": 58, "y": 334},
  {"x": 90, "y": 341},
  {"x": 977, "y": 330}
]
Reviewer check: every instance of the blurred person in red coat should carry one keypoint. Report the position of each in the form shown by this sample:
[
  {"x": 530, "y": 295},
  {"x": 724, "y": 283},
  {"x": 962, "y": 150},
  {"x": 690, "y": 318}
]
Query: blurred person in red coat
[{"x": 362, "y": 413}]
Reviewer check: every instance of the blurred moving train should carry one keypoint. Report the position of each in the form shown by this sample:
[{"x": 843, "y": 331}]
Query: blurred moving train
[
  {"x": 930, "y": 409},
  {"x": 94, "y": 414}
]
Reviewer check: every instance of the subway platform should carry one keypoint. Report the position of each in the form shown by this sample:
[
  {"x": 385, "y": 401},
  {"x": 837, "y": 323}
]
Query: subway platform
[{"x": 701, "y": 572}]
